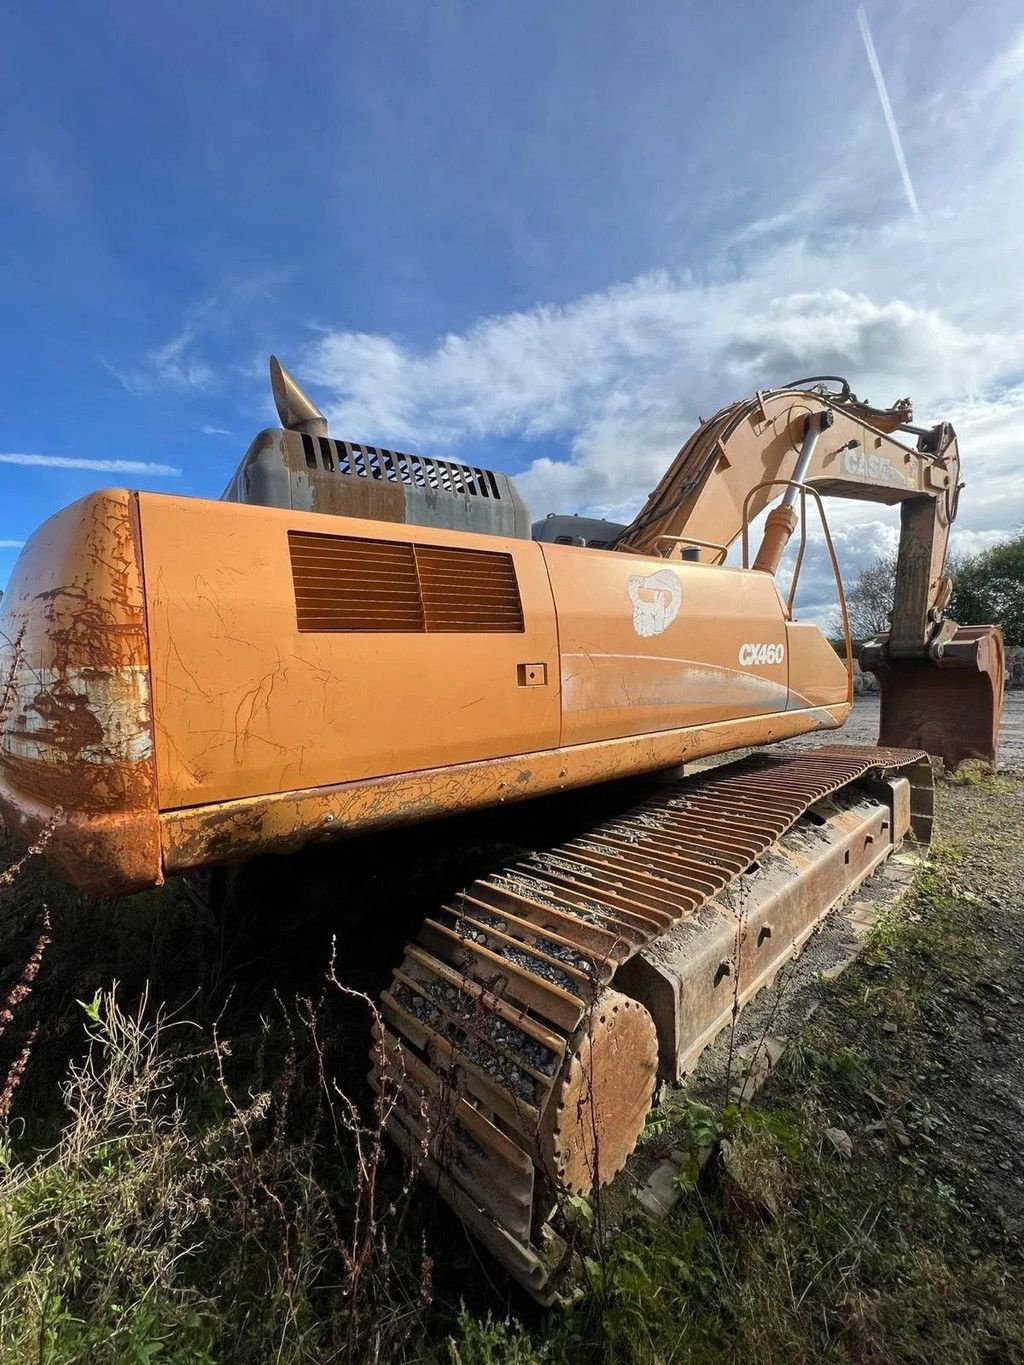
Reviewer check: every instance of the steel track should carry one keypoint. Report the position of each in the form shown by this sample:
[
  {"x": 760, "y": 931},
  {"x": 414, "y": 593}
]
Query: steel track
[{"x": 483, "y": 1017}]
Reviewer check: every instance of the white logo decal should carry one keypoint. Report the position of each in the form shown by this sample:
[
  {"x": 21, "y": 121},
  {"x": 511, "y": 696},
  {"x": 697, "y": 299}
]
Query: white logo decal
[
  {"x": 874, "y": 467},
  {"x": 761, "y": 654},
  {"x": 655, "y": 601}
]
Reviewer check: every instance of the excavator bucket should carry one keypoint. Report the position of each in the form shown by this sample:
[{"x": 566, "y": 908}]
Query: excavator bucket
[{"x": 950, "y": 706}]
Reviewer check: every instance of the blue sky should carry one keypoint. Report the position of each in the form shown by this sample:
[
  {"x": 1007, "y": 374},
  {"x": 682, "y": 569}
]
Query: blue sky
[{"x": 548, "y": 235}]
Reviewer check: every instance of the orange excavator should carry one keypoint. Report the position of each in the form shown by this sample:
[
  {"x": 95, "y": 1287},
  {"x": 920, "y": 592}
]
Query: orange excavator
[{"x": 354, "y": 638}]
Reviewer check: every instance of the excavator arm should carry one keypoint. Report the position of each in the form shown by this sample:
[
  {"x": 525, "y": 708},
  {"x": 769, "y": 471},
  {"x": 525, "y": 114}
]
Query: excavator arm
[{"x": 941, "y": 684}]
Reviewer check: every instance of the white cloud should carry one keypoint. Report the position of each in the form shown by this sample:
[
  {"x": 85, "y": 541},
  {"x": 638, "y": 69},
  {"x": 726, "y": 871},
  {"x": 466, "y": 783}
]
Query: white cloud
[
  {"x": 216, "y": 431},
  {"x": 605, "y": 388},
  {"x": 11, "y": 544},
  {"x": 1006, "y": 69},
  {"x": 878, "y": 343},
  {"x": 612, "y": 381},
  {"x": 169, "y": 366},
  {"x": 173, "y": 364},
  {"x": 965, "y": 542},
  {"x": 177, "y": 364},
  {"x": 529, "y": 372},
  {"x": 100, "y": 466}
]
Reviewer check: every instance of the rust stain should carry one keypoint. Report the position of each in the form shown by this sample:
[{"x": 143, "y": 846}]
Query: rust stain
[
  {"x": 199, "y": 835},
  {"x": 78, "y": 736},
  {"x": 71, "y": 725}
]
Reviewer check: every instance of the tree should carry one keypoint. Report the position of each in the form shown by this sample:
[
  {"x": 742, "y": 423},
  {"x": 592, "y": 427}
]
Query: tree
[
  {"x": 869, "y": 601},
  {"x": 987, "y": 588},
  {"x": 990, "y": 587}
]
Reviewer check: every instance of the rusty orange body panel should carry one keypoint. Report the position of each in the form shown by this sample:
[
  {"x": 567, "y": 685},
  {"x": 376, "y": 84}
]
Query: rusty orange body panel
[
  {"x": 77, "y": 746},
  {"x": 247, "y": 704},
  {"x": 215, "y": 725},
  {"x": 186, "y": 680}
]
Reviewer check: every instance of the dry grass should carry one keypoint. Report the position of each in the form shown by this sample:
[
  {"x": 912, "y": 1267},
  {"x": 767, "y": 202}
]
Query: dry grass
[{"x": 143, "y": 1234}]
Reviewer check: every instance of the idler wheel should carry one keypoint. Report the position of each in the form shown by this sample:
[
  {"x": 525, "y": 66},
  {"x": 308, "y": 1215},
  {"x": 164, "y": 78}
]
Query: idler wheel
[{"x": 598, "y": 1112}]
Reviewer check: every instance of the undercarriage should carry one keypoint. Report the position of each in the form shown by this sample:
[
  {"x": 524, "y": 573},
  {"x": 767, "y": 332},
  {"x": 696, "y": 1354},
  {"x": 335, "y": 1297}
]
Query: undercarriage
[{"x": 525, "y": 1029}]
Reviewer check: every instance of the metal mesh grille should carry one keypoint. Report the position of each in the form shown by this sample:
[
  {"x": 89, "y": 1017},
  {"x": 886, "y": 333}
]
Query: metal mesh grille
[
  {"x": 395, "y": 466},
  {"x": 348, "y": 583}
]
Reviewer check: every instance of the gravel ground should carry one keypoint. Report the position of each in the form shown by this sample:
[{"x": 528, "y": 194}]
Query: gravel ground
[{"x": 970, "y": 1075}]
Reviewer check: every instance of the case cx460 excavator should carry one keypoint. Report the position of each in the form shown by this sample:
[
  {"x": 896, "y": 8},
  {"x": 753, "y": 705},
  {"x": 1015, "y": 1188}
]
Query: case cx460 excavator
[{"x": 353, "y": 638}]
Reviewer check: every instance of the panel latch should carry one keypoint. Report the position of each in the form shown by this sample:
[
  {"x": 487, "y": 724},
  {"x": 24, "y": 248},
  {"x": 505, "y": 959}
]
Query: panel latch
[{"x": 532, "y": 675}]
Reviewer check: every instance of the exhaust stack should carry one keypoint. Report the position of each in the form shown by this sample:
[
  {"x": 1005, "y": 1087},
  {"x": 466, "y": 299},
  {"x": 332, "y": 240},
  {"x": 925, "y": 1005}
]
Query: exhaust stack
[{"x": 295, "y": 408}]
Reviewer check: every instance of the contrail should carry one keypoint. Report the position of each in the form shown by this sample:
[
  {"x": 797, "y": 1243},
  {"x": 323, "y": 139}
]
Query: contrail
[
  {"x": 883, "y": 95},
  {"x": 11, "y": 544},
  {"x": 102, "y": 466}
]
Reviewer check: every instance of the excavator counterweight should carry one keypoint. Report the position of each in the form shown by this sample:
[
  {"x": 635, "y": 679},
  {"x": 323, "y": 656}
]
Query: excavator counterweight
[{"x": 355, "y": 638}]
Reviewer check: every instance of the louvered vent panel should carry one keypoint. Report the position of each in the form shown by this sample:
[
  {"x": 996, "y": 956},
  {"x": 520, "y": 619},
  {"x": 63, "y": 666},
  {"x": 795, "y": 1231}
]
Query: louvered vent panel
[
  {"x": 468, "y": 589},
  {"x": 347, "y": 583}
]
